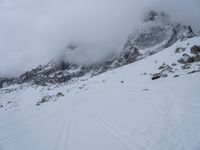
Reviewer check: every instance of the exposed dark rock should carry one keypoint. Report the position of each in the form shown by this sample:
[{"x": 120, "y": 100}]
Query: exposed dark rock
[
  {"x": 81, "y": 87},
  {"x": 44, "y": 100},
  {"x": 145, "y": 90},
  {"x": 163, "y": 66},
  {"x": 6, "y": 81},
  {"x": 127, "y": 57},
  {"x": 186, "y": 66},
  {"x": 60, "y": 94},
  {"x": 155, "y": 16},
  {"x": 50, "y": 98},
  {"x": 2, "y": 81},
  {"x": 189, "y": 59},
  {"x": 164, "y": 71},
  {"x": 167, "y": 70},
  {"x": 144, "y": 73},
  {"x": 103, "y": 66},
  {"x": 150, "y": 16},
  {"x": 176, "y": 76},
  {"x": 174, "y": 64},
  {"x": 8, "y": 90},
  {"x": 195, "y": 50},
  {"x": 196, "y": 58},
  {"x": 64, "y": 66},
  {"x": 179, "y": 50},
  {"x": 186, "y": 59},
  {"x": 156, "y": 76},
  {"x": 194, "y": 71}
]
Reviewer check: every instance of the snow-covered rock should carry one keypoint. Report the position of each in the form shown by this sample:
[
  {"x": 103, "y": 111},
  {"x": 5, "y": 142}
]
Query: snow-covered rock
[{"x": 158, "y": 34}]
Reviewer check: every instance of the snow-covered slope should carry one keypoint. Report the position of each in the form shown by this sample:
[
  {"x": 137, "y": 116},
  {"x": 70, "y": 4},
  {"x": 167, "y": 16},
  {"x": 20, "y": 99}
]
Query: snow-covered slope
[{"x": 117, "y": 110}]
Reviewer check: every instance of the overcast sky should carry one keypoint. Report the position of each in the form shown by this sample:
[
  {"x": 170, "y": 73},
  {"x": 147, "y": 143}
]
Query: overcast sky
[{"x": 33, "y": 32}]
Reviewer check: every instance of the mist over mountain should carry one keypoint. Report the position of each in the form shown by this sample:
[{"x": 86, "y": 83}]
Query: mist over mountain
[
  {"x": 99, "y": 75},
  {"x": 34, "y": 32}
]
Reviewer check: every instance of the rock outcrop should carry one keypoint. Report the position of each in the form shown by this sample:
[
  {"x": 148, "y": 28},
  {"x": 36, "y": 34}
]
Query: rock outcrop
[{"x": 160, "y": 33}]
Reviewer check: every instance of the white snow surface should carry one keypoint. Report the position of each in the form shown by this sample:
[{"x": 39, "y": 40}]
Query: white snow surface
[{"x": 122, "y": 109}]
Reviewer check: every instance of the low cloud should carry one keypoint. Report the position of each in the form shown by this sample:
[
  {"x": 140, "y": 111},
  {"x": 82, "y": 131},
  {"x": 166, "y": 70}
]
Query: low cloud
[{"x": 33, "y": 32}]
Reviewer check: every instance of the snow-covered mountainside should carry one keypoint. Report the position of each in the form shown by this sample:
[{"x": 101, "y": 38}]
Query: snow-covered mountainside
[
  {"x": 157, "y": 34},
  {"x": 151, "y": 104}
]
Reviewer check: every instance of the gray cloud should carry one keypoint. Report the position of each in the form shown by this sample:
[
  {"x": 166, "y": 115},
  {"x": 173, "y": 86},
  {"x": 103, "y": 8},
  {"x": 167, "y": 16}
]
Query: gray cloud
[{"x": 33, "y": 32}]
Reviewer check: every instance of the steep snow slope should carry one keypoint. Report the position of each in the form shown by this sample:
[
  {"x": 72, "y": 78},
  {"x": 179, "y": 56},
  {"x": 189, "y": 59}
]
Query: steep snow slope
[{"x": 118, "y": 110}]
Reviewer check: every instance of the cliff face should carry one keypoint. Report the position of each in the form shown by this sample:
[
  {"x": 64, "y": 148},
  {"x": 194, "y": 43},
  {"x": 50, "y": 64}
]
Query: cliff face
[{"x": 159, "y": 34}]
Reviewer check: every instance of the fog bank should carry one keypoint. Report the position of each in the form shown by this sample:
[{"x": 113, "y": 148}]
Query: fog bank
[{"x": 33, "y": 32}]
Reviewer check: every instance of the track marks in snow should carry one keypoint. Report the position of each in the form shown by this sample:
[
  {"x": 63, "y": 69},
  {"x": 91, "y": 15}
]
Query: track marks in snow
[
  {"x": 176, "y": 102},
  {"x": 123, "y": 136},
  {"x": 190, "y": 114},
  {"x": 166, "y": 132},
  {"x": 63, "y": 142},
  {"x": 20, "y": 132},
  {"x": 20, "y": 129},
  {"x": 178, "y": 110}
]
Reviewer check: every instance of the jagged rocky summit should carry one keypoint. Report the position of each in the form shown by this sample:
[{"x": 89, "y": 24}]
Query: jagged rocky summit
[{"x": 159, "y": 33}]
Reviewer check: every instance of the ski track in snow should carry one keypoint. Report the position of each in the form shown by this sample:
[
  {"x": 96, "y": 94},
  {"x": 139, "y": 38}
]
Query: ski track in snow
[
  {"x": 20, "y": 131},
  {"x": 176, "y": 101},
  {"x": 63, "y": 142},
  {"x": 121, "y": 135},
  {"x": 171, "y": 116}
]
